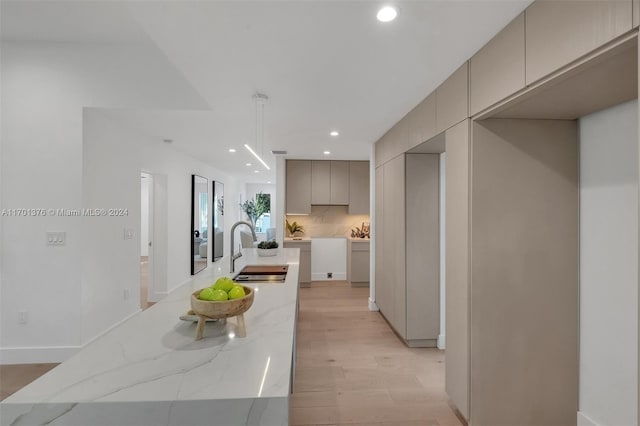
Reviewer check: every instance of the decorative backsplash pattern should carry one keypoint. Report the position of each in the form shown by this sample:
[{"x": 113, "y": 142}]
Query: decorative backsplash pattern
[{"x": 329, "y": 221}]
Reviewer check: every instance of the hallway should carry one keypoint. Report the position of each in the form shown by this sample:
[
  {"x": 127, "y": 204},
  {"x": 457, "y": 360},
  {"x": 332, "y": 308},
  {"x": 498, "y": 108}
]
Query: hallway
[{"x": 352, "y": 369}]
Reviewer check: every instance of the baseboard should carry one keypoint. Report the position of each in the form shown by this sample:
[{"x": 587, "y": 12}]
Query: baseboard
[
  {"x": 97, "y": 336},
  {"x": 584, "y": 420},
  {"x": 157, "y": 296},
  {"x": 373, "y": 306},
  {"x": 49, "y": 354},
  {"x": 441, "y": 341},
  {"x": 421, "y": 343},
  {"x": 37, "y": 354},
  {"x": 322, "y": 276}
]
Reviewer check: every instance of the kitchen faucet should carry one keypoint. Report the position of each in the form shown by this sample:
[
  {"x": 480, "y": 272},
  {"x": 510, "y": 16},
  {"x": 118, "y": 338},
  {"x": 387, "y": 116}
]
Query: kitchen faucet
[{"x": 237, "y": 255}]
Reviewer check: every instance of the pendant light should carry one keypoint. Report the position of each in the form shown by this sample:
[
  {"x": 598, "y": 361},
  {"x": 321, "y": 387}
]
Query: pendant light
[{"x": 260, "y": 100}]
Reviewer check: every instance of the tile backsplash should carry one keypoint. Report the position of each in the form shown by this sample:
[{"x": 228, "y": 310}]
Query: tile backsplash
[{"x": 329, "y": 221}]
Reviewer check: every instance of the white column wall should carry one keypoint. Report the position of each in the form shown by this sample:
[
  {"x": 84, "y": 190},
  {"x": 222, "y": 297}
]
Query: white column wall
[{"x": 609, "y": 266}]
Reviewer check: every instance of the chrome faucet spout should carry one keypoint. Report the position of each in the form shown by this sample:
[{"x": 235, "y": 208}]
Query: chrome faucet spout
[{"x": 234, "y": 256}]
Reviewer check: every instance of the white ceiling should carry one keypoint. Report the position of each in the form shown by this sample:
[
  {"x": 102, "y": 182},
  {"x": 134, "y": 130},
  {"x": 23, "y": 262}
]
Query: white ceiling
[{"x": 325, "y": 65}]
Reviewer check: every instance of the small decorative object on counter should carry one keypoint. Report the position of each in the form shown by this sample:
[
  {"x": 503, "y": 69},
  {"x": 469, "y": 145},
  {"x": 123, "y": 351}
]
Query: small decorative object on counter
[
  {"x": 294, "y": 228},
  {"x": 361, "y": 232},
  {"x": 267, "y": 248}
]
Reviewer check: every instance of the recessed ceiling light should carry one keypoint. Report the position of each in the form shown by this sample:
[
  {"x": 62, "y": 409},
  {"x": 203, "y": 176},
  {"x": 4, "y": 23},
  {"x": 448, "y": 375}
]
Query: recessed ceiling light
[
  {"x": 248, "y": 164},
  {"x": 387, "y": 14},
  {"x": 268, "y": 181},
  {"x": 327, "y": 152},
  {"x": 256, "y": 171},
  {"x": 334, "y": 133},
  {"x": 232, "y": 150}
]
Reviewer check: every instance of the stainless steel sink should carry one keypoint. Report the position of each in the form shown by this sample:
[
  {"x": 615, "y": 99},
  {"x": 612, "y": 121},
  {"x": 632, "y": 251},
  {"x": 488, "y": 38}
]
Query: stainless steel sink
[{"x": 262, "y": 273}]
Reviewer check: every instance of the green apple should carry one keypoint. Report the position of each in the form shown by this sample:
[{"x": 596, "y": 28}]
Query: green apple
[
  {"x": 224, "y": 283},
  {"x": 207, "y": 294},
  {"x": 237, "y": 292},
  {"x": 220, "y": 295}
]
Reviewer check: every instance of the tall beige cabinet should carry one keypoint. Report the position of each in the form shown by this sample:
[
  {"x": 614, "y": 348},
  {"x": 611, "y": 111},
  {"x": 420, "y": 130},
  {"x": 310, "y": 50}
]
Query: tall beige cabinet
[
  {"x": 457, "y": 145},
  {"x": 507, "y": 121},
  {"x": 407, "y": 250}
]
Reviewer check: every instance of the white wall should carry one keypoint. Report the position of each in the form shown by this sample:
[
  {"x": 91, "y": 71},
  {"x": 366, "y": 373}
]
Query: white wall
[
  {"x": 44, "y": 89},
  {"x": 144, "y": 215},
  {"x": 113, "y": 266},
  {"x": 609, "y": 266}
]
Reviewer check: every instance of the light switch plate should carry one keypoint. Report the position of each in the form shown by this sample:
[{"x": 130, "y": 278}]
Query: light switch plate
[{"x": 128, "y": 234}]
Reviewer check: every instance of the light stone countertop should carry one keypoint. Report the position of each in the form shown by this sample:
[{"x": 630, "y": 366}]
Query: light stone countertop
[{"x": 149, "y": 370}]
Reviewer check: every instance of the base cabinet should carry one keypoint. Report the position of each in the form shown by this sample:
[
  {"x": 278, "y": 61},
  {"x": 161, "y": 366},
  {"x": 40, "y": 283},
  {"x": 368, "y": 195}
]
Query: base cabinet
[
  {"x": 305, "y": 260},
  {"x": 358, "y": 262}
]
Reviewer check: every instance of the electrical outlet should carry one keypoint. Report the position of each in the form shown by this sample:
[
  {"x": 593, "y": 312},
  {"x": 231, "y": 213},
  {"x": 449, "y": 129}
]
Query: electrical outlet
[
  {"x": 128, "y": 234},
  {"x": 56, "y": 238},
  {"x": 23, "y": 317},
  {"x": 126, "y": 294},
  {"x": 329, "y": 274}
]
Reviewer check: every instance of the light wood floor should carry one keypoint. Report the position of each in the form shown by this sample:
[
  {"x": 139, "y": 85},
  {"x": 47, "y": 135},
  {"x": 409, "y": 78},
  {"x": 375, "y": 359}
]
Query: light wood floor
[{"x": 350, "y": 367}]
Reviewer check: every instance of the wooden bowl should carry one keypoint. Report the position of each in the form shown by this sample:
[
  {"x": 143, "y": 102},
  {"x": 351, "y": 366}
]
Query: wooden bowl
[{"x": 223, "y": 309}]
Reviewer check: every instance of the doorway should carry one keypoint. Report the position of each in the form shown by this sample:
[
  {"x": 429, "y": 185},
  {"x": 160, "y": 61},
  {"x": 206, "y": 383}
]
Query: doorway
[{"x": 146, "y": 238}]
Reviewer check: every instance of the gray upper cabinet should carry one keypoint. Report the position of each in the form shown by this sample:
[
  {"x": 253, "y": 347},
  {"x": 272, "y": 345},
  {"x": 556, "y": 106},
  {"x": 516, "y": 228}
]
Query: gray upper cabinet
[
  {"x": 561, "y": 31},
  {"x": 636, "y": 13},
  {"x": 339, "y": 182},
  {"x": 452, "y": 99},
  {"x": 422, "y": 121},
  {"x": 321, "y": 182},
  {"x": 358, "y": 187},
  {"x": 497, "y": 70},
  {"x": 298, "y": 187},
  {"x": 329, "y": 182}
]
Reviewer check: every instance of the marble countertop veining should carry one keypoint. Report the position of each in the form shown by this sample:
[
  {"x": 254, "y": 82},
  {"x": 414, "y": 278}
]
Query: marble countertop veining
[{"x": 154, "y": 357}]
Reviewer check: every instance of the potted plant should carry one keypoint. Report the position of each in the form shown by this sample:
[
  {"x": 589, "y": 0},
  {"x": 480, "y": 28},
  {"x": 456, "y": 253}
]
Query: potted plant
[
  {"x": 294, "y": 228},
  {"x": 267, "y": 248}
]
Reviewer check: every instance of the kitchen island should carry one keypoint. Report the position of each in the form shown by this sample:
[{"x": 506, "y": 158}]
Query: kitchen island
[{"x": 150, "y": 370}]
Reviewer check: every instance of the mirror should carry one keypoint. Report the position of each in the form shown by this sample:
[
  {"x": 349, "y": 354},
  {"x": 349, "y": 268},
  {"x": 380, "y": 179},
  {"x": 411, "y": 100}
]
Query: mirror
[
  {"x": 199, "y": 222},
  {"x": 218, "y": 221}
]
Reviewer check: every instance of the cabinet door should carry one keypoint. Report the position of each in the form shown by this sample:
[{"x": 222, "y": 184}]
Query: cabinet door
[
  {"x": 497, "y": 70},
  {"x": 339, "y": 183},
  {"x": 561, "y": 31},
  {"x": 359, "y": 263},
  {"x": 358, "y": 187},
  {"x": 298, "y": 187},
  {"x": 423, "y": 246},
  {"x": 305, "y": 266},
  {"x": 321, "y": 182},
  {"x": 452, "y": 99},
  {"x": 304, "y": 270},
  {"x": 422, "y": 121},
  {"x": 394, "y": 237},
  {"x": 457, "y": 266},
  {"x": 383, "y": 290}
]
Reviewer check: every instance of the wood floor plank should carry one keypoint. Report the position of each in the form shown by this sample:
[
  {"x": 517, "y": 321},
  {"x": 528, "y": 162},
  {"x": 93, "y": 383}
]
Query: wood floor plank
[{"x": 351, "y": 369}]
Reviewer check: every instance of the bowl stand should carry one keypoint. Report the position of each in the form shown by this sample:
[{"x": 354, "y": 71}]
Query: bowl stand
[{"x": 202, "y": 319}]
